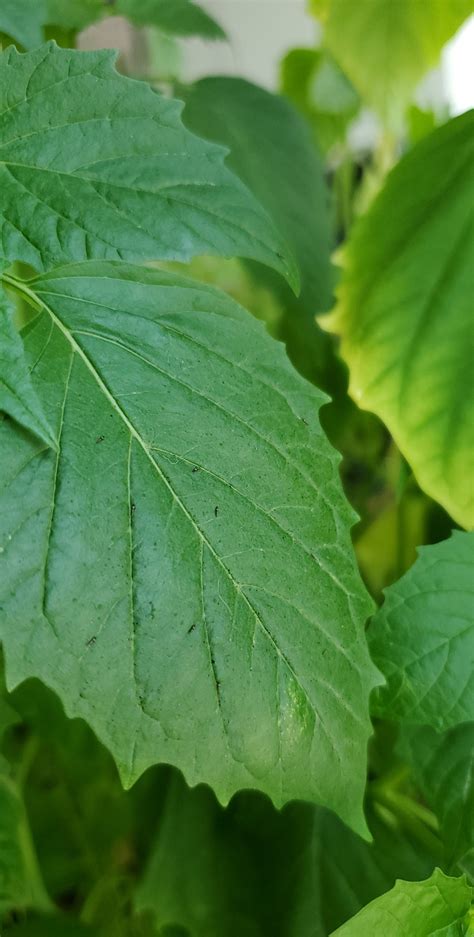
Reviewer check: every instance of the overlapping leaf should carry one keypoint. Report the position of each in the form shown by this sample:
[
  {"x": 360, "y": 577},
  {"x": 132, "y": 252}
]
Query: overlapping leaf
[
  {"x": 95, "y": 165},
  {"x": 181, "y": 572},
  {"x": 272, "y": 152},
  {"x": 405, "y": 316},
  {"x": 422, "y": 638},
  {"x": 438, "y": 906}
]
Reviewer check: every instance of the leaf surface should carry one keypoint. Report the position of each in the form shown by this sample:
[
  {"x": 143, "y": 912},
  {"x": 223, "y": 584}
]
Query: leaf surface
[
  {"x": 179, "y": 18},
  {"x": 386, "y": 46},
  {"x": 192, "y": 591},
  {"x": 95, "y": 165},
  {"x": 422, "y": 638},
  {"x": 437, "y": 906},
  {"x": 17, "y": 396},
  {"x": 404, "y": 312}
]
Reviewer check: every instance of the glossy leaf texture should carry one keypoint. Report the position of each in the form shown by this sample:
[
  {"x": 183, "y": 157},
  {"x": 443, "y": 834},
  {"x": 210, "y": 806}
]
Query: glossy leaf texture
[
  {"x": 23, "y": 21},
  {"x": 249, "y": 871},
  {"x": 182, "y": 573},
  {"x": 404, "y": 312},
  {"x": 438, "y": 906},
  {"x": 443, "y": 768},
  {"x": 422, "y": 638},
  {"x": 95, "y": 165},
  {"x": 17, "y": 397},
  {"x": 386, "y": 46},
  {"x": 272, "y": 152}
]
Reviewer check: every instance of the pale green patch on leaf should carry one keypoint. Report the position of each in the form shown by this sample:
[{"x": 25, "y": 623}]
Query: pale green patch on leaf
[
  {"x": 437, "y": 906},
  {"x": 181, "y": 572},
  {"x": 422, "y": 638},
  {"x": 443, "y": 768},
  {"x": 18, "y": 399},
  {"x": 405, "y": 312},
  {"x": 95, "y": 165},
  {"x": 23, "y": 20},
  {"x": 386, "y": 46}
]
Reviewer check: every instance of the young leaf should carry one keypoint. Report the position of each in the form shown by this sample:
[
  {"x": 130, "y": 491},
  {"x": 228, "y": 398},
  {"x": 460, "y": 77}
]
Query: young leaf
[
  {"x": 443, "y": 768},
  {"x": 386, "y": 46},
  {"x": 17, "y": 397},
  {"x": 272, "y": 152},
  {"x": 422, "y": 638},
  {"x": 404, "y": 312},
  {"x": 437, "y": 906},
  {"x": 181, "y": 573},
  {"x": 22, "y": 20},
  {"x": 95, "y": 165}
]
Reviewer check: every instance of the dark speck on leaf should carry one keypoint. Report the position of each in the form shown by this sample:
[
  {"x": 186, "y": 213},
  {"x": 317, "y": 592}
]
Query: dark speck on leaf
[
  {"x": 195, "y": 469},
  {"x": 216, "y": 510},
  {"x": 133, "y": 507},
  {"x": 304, "y": 421},
  {"x": 191, "y": 629},
  {"x": 91, "y": 641},
  {"x": 100, "y": 438}
]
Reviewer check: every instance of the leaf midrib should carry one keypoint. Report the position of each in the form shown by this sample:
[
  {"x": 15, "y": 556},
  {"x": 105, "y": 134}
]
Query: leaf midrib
[{"x": 35, "y": 300}]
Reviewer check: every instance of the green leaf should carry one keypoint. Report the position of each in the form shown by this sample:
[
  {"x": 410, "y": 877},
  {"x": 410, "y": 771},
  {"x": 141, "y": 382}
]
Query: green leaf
[
  {"x": 95, "y": 165},
  {"x": 404, "y": 313},
  {"x": 17, "y": 397},
  {"x": 418, "y": 909},
  {"x": 179, "y": 18},
  {"x": 20, "y": 881},
  {"x": 272, "y": 152},
  {"x": 52, "y": 926},
  {"x": 73, "y": 15},
  {"x": 23, "y": 21},
  {"x": 321, "y": 91},
  {"x": 386, "y": 46},
  {"x": 443, "y": 768},
  {"x": 422, "y": 638},
  {"x": 250, "y": 870},
  {"x": 182, "y": 573}
]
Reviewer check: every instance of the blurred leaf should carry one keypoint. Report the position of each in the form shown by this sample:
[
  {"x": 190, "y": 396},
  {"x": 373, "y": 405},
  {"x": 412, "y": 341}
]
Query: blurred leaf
[
  {"x": 21, "y": 885},
  {"x": 422, "y": 638},
  {"x": 176, "y": 17},
  {"x": 443, "y": 768},
  {"x": 250, "y": 871},
  {"x": 272, "y": 152},
  {"x": 51, "y": 926},
  {"x": 316, "y": 85},
  {"x": 418, "y": 909},
  {"x": 404, "y": 312},
  {"x": 22, "y": 20},
  {"x": 386, "y": 46}
]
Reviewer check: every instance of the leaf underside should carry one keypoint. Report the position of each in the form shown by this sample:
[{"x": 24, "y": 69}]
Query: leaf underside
[{"x": 181, "y": 571}]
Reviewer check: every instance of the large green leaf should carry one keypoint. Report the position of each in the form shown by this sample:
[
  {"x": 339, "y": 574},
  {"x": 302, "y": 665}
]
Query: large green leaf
[
  {"x": 386, "y": 46},
  {"x": 443, "y": 768},
  {"x": 437, "y": 906},
  {"x": 93, "y": 164},
  {"x": 405, "y": 317},
  {"x": 181, "y": 573},
  {"x": 17, "y": 396},
  {"x": 23, "y": 21},
  {"x": 422, "y": 638},
  {"x": 272, "y": 152}
]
